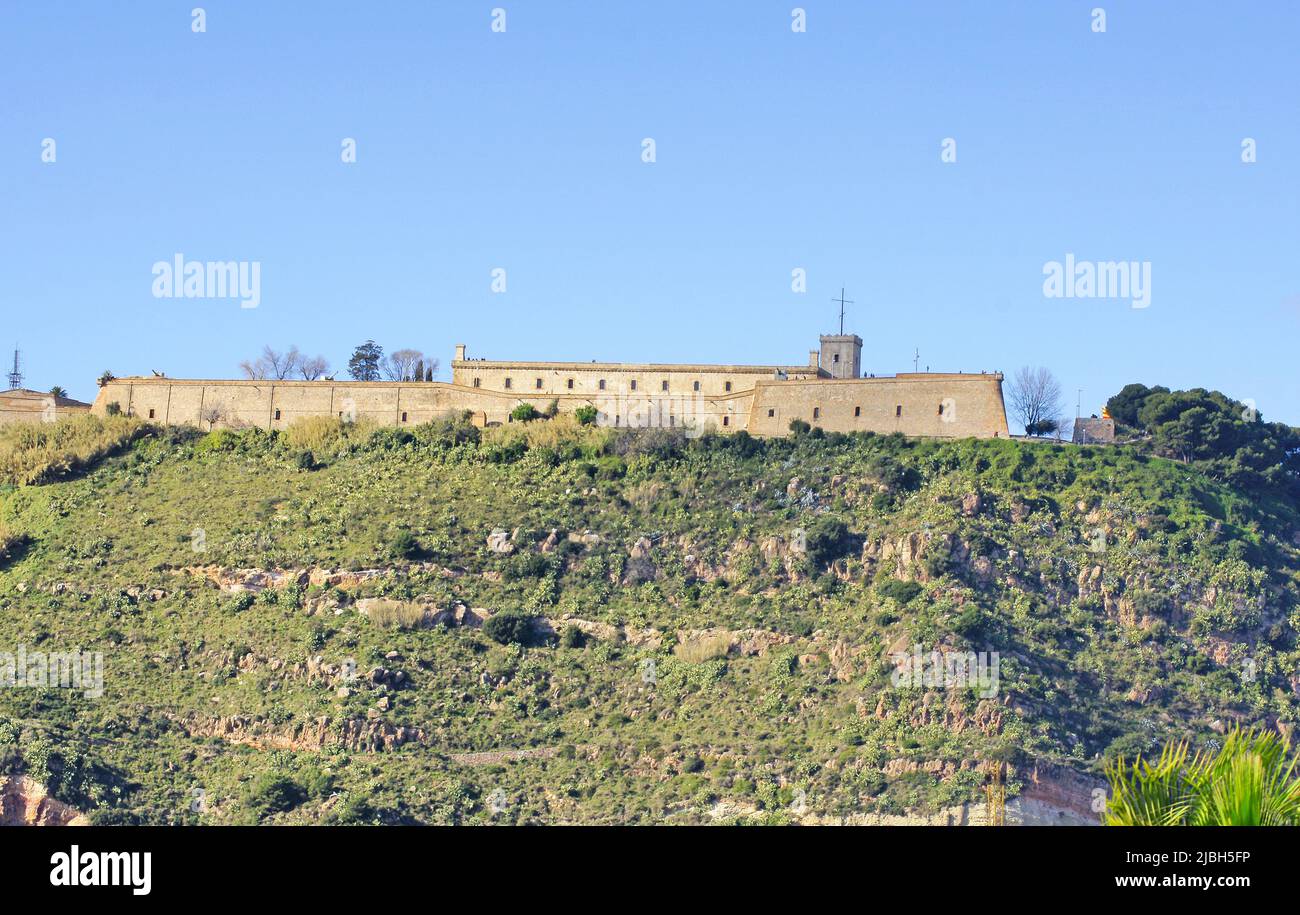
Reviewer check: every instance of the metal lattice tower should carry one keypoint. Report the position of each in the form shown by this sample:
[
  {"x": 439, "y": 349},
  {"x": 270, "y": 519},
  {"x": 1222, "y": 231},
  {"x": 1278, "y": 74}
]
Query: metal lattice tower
[{"x": 16, "y": 376}]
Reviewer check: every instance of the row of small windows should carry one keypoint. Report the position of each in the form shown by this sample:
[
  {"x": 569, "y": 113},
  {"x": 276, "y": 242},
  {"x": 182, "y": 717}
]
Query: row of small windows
[
  {"x": 538, "y": 384},
  {"x": 672, "y": 420},
  {"x": 857, "y": 411}
]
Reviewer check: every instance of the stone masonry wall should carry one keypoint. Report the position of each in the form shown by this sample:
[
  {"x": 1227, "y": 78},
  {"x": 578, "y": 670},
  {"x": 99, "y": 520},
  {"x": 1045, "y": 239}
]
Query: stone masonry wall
[
  {"x": 973, "y": 403},
  {"x": 23, "y": 406}
]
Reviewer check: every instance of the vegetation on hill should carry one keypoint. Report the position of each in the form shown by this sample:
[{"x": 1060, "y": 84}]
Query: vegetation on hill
[
  {"x": 1226, "y": 438},
  {"x": 552, "y": 621}
]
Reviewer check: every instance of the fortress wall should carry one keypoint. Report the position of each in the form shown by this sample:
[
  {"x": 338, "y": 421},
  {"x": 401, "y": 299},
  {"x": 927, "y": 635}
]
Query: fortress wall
[
  {"x": 23, "y": 406},
  {"x": 973, "y": 405},
  {"x": 275, "y": 405}
]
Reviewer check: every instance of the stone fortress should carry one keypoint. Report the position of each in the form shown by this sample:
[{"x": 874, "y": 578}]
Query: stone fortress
[{"x": 827, "y": 391}]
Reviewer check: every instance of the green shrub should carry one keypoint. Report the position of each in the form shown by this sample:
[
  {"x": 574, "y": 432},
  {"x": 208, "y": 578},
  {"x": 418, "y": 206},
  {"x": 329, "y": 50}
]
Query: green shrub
[
  {"x": 524, "y": 413},
  {"x": 510, "y": 627},
  {"x": 901, "y": 592},
  {"x": 573, "y": 637},
  {"x": 829, "y": 539},
  {"x": 271, "y": 793},
  {"x": 404, "y": 545},
  {"x": 586, "y": 415}
]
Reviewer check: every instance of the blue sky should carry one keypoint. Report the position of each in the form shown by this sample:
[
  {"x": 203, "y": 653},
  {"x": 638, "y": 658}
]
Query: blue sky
[{"x": 775, "y": 150}]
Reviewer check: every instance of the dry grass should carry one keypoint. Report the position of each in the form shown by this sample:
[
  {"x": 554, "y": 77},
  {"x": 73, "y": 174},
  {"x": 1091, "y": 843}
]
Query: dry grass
[
  {"x": 701, "y": 648},
  {"x": 395, "y": 614},
  {"x": 325, "y": 435},
  {"x": 40, "y": 452},
  {"x": 561, "y": 431}
]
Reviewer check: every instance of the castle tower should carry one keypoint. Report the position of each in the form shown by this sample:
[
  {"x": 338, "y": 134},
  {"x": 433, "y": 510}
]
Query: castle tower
[{"x": 841, "y": 355}]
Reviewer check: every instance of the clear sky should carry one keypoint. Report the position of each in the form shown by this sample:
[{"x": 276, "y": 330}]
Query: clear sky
[{"x": 774, "y": 150}]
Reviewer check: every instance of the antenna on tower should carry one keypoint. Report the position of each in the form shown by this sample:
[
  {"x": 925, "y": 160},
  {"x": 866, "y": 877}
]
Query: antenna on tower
[
  {"x": 916, "y": 359},
  {"x": 16, "y": 376},
  {"x": 843, "y": 301}
]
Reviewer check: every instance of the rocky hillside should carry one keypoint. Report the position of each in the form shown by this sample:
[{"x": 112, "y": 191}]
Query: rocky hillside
[{"x": 553, "y": 623}]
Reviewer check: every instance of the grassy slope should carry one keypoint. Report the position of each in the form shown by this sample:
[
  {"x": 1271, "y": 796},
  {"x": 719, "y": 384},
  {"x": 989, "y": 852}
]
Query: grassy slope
[{"x": 1207, "y": 576}]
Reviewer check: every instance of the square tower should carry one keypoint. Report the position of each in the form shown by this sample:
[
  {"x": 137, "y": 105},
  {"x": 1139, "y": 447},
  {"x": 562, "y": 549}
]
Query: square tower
[{"x": 842, "y": 355}]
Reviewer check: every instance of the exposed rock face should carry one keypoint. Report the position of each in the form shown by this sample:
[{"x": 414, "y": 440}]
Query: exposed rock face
[
  {"x": 261, "y": 579},
  {"x": 640, "y": 568},
  {"x": 499, "y": 542},
  {"x": 1055, "y": 795},
  {"x": 428, "y": 614},
  {"x": 637, "y": 638},
  {"x": 752, "y": 642},
  {"x": 356, "y": 734},
  {"x": 25, "y": 802}
]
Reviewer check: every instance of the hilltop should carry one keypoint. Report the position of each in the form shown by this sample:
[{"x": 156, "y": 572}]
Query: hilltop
[{"x": 550, "y": 622}]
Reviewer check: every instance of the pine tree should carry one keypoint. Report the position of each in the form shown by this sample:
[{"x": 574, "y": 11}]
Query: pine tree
[{"x": 364, "y": 364}]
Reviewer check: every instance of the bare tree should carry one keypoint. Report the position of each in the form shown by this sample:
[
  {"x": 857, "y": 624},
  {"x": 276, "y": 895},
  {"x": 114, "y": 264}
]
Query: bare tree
[
  {"x": 313, "y": 367},
  {"x": 1034, "y": 396},
  {"x": 401, "y": 365},
  {"x": 213, "y": 414},
  {"x": 272, "y": 364}
]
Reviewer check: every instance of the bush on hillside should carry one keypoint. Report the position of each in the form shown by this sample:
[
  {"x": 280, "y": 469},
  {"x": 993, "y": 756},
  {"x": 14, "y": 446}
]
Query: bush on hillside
[
  {"x": 525, "y": 413},
  {"x": 901, "y": 592},
  {"x": 510, "y": 627},
  {"x": 271, "y": 793},
  {"x": 404, "y": 545}
]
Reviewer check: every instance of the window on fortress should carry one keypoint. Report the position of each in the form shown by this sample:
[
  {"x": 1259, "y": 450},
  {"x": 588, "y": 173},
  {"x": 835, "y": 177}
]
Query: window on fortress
[
  {"x": 771, "y": 413},
  {"x": 663, "y": 386},
  {"x": 476, "y": 381},
  {"x": 726, "y": 420},
  {"x": 857, "y": 411},
  {"x": 728, "y": 385},
  {"x": 696, "y": 386},
  {"x": 634, "y": 384},
  {"x": 817, "y": 412},
  {"x": 835, "y": 358},
  {"x": 403, "y": 416},
  {"x": 507, "y": 384},
  {"x": 898, "y": 410},
  {"x": 539, "y": 384},
  {"x": 570, "y": 384},
  {"x": 602, "y": 384},
  {"x": 672, "y": 420},
  {"x": 151, "y": 414},
  {"x": 941, "y": 408},
  {"x": 277, "y": 414}
]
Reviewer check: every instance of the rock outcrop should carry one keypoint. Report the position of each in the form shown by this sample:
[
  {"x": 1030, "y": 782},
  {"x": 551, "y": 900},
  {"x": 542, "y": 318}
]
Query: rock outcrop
[{"x": 26, "y": 802}]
